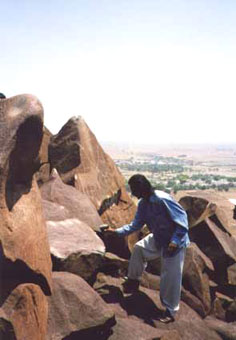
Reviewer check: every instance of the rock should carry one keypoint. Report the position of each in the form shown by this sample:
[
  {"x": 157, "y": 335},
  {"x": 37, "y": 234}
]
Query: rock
[
  {"x": 192, "y": 301},
  {"x": 226, "y": 330},
  {"x": 135, "y": 329},
  {"x": 6, "y": 328},
  {"x": 27, "y": 309},
  {"x": 150, "y": 281},
  {"x": 231, "y": 312},
  {"x": 145, "y": 305},
  {"x": 197, "y": 209},
  {"x": 81, "y": 162},
  {"x": 231, "y": 271},
  {"x": 220, "y": 306},
  {"x": 25, "y": 248},
  {"x": 195, "y": 278},
  {"x": 54, "y": 212},
  {"x": 75, "y": 309},
  {"x": 75, "y": 247},
  {"x": 43, "y": 173},
  {"x": 115, "y": 244},
  {"x": 217, "y": 245},
  {"x": 75, "y": 203},
  {"x": 201, "y": 204},
  {"x": 114, "y": 265}
]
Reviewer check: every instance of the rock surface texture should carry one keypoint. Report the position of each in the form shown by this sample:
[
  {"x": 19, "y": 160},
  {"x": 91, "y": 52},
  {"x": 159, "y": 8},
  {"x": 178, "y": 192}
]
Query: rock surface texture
[
  {"x": 81, "y": 162},
  {"x": 67, "y": 202},
  {"x": 76, "y": 309},
  {"x": 83, "y": 299},
  {"x": 24, "y": 249},
  {"x": 75, "y": 247}
]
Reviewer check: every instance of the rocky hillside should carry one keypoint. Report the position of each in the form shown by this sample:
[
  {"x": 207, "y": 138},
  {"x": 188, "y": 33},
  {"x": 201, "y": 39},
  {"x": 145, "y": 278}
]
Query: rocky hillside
[{"x": 61, "y": 278}]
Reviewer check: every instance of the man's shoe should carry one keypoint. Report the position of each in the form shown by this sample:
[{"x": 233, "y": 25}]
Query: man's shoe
[
  {"x": 167, "y": 317},
  {"x": 130, "y": 286}
]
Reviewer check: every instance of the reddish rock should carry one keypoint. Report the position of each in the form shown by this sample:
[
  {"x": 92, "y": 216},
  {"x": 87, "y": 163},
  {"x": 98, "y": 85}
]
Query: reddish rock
[
  {"x": 231, "y": 271},
  {"x": 54, "y": 211},
  {"x": 145, "y": 305},
  {"x": 6, "y": 327},
  {"x": 217, "y": 245},
  {"x": 27, "y": 310},
  {"x": 75, "y": 247},
  {"x": 80, "y": 161},
  {"x": 75, "y": 203},
  {"x": 197, "y": 208},
  {"x": 220, "y": 305},
  {"x": 114, "y": 265},
  {"x": 150, "y": 281},
  {"x": 201, "y": 204},
  {"x": 231, "y": 311},
  {"x": 227, "y": 331},
  {"x": 192, "y": 301},
  {"x": 44, "y": 171},
  {"x": 25, "y": 247},
  {"x": 75, "y": 308},
  {"x": 194, "y": 275},
  {"x": 136, "y": 329}
]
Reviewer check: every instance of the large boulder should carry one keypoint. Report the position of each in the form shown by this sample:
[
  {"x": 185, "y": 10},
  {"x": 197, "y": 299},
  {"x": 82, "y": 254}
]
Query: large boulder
[
  {"x": 81, "y": 162},
  {"x": 75, "y": 247},
  {"x": 201, "y": 204},
  {"x": 67, "y": 202},
  {"x": 24, "y": 253},
  {"x": 26, "y": 308},
  {"x": 76, "y": 309},
  {"x": 218, "y": 245}
]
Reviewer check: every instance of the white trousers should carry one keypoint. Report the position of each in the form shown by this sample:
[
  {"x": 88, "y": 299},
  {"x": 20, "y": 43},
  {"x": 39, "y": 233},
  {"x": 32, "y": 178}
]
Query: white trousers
[{"x": 171, "y": 270}]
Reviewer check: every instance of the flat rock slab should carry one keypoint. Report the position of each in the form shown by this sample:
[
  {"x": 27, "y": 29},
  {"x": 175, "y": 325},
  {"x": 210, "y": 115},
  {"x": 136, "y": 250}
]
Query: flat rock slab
[
  {"x": 75, "y": 247},
  {"x": 75, "y": 203},
  {"x": 75, "y": 307}
]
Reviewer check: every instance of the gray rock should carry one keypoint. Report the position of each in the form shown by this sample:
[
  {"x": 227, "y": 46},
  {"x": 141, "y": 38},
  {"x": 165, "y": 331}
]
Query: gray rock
[
  {"x": 75, "y": 247},
  {"x": 75, "y": 307}
]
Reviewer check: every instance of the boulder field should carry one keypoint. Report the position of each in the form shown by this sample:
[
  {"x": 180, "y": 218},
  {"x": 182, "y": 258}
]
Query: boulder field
[{"x": 61, "y": 277}]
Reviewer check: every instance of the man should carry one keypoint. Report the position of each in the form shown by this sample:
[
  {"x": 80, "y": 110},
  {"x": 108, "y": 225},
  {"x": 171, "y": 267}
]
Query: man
[{"x": 168, "y": 239}]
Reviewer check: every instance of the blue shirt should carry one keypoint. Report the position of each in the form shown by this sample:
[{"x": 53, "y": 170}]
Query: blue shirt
[{"x": 165, "y": 218}]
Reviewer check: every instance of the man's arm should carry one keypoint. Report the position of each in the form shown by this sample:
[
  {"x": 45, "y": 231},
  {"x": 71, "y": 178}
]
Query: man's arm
[{"x": 136, "y": 224}]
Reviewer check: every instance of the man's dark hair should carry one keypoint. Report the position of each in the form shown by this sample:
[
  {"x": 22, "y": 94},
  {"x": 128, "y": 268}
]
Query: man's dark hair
[
  {"x": 2, "y": 96},
  {"x": 142, "y": 183}
]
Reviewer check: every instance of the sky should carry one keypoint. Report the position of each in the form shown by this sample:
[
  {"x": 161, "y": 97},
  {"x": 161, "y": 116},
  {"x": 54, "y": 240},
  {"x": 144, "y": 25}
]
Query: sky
[{"x": 137, "y": 71}]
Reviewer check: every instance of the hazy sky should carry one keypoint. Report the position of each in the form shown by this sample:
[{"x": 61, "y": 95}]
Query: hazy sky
[{"x": 144, "y": 71}]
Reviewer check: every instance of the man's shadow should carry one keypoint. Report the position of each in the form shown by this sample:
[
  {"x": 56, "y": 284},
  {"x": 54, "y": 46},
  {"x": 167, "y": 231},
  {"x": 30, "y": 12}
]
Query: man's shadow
[{"x": 138, "y": 304}]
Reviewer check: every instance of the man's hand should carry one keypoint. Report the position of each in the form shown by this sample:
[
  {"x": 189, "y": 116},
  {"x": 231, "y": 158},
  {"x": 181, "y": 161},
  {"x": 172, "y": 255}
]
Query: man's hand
[
  {"x": 105, "y": 228},
  {"x": 172, "y": 248}
]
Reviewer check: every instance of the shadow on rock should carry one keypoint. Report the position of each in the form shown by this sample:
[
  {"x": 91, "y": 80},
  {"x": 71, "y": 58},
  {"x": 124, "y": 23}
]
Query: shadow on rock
[
  {"x": 137, "y": 304},
  {"x": 99, "y": 333}
]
